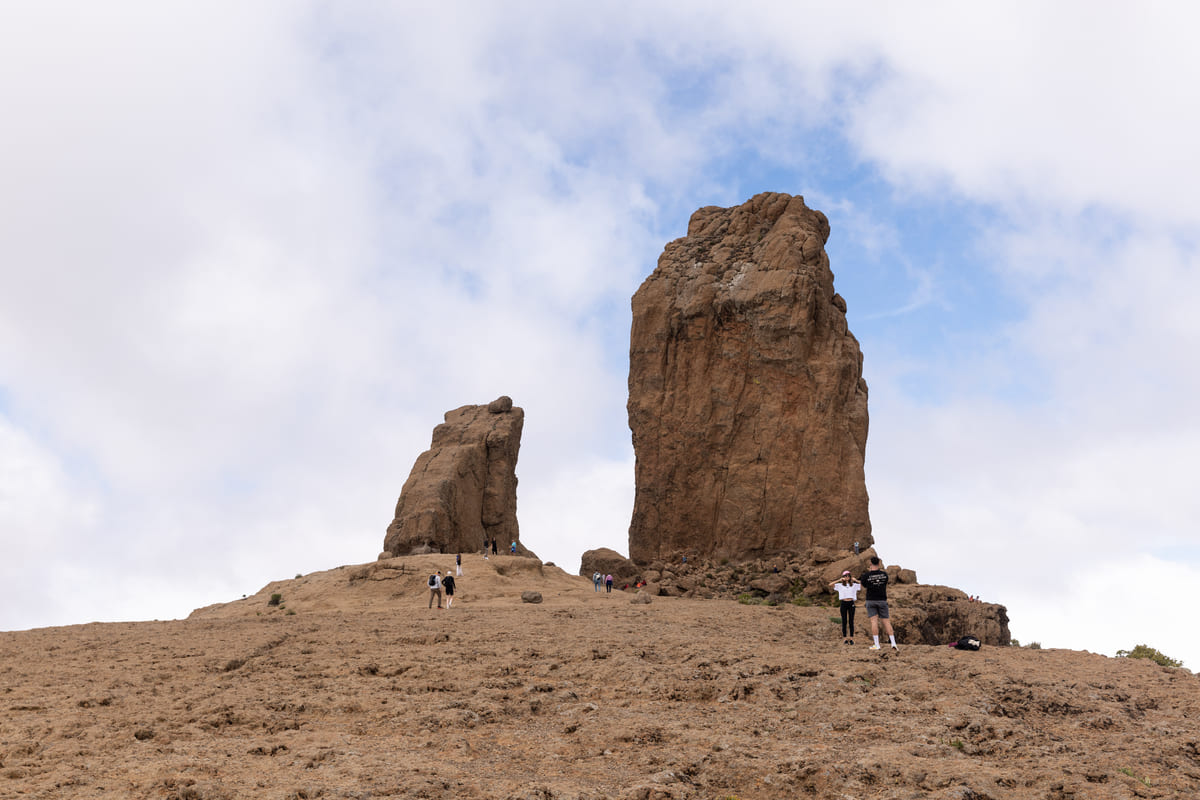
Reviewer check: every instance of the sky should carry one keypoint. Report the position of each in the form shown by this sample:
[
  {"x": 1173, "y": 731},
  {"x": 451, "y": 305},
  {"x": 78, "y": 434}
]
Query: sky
[{"x": 250, "y": 254}]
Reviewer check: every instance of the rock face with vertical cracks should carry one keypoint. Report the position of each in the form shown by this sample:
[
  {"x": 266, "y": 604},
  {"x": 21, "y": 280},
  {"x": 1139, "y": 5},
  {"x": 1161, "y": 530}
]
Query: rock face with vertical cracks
[
  {"x": 463, "y": 489},
  {"x": 746, "y": 398}
]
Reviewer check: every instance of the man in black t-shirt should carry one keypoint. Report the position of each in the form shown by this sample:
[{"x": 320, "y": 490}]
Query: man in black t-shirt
[{"x": 876, "y": 580}]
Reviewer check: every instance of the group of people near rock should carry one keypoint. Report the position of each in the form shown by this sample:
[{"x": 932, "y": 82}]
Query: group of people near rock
[
  {"x": 438, "y": 584},
  {"x": 876, "y": 581},
  {"x": 598, "y": 579},
  {"x": 491, "y": 544}
]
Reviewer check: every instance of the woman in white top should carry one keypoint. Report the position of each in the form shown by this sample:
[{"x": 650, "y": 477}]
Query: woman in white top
[{"x": 847, "y": 589}]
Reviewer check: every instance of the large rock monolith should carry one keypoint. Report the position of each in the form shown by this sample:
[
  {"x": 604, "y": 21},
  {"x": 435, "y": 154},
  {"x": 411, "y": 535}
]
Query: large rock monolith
[
  {"x": 463, "y": 489},
  {"x": 746, "y": 398}
]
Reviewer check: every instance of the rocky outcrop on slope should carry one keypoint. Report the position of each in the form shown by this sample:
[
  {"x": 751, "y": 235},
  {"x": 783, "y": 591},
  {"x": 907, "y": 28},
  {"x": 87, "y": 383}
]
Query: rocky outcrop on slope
[
  {"x": 920, "y": 614},
  {"x": 746, "y": 398},
  {"x": 608, "y": 562},
  {"x": 463, "y": 489}
]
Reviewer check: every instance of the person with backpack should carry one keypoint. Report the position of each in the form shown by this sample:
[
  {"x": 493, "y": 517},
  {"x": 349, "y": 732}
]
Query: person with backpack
[
  {"x": 448, "y": 585},
  {"x": 847, "y": 589},
  {"x": 596, "y": 576},
  {"x": 876, "y": 581},
  {"x": 435, "y": 588}
]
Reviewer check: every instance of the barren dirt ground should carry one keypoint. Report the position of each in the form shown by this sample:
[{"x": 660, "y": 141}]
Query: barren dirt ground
[{"x": 352, "y": 688}]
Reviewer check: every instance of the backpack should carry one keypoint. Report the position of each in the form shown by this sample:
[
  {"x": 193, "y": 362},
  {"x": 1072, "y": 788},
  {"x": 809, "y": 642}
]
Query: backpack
[
  {"x": 968, "y": 642},
  {"x": 432, "y": 581}
]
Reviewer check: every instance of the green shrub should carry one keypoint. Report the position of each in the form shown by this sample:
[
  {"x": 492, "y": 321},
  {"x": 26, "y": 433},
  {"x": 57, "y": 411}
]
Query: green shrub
[
  {"x": 1034, "y": 645},
  {"x": 1146, "y": 651},
  {"x": 275, "y": 600},
  {"x": 1013, "y": 643},
  {"x": 802, "y": 600},
  {"x": 748, "y": 599}
]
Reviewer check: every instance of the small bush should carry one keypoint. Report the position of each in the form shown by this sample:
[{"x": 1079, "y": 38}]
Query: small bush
[
  {"x": 1146, "y": 651},
  {"x": 803, "y": 600},
  {"x": 748, "y": 599},
  {"x": 275, "y": 600},
  {"x": 1013, "y": 643},
  {"x": 1034, "y": 645}
]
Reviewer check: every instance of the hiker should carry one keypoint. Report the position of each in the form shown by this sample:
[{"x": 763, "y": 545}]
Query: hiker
[
  {"x": 513, "y": 548},
  {"x": 596, "y": 578},
  {"x": 448, "y": 585},
  {"x": 876, "y": 581},
  {"x": 457, "y": 568},
  {"x": 435, "y": 588},
  {"x": 856, "y": 548},
  {"x": 847, "y": 589},
  {"x": 493, "y": 545},
  {"x": 608, "y": 583}
]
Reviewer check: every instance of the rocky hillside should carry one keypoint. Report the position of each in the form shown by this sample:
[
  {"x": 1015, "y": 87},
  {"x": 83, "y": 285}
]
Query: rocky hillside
[{"x": 350, "y": 687}]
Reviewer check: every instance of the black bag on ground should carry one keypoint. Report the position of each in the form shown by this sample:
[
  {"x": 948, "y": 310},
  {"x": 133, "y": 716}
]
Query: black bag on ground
[{"x": 968, "y": 643}]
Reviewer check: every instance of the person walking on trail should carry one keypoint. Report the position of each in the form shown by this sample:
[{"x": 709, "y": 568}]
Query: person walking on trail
[
  {"x": 457, "y": 568},
  {"x": 596, "y": 577},
  {"x": 847, "y": 589},
  {"x": 435, "y": 588},
  {"x": 448, "y": 585},
  {"x": 608, "y": 583},
  {"x": 513, "y": 548},
  {"x": 876, "y": 581},
  {"x": 493, "y": 545}
]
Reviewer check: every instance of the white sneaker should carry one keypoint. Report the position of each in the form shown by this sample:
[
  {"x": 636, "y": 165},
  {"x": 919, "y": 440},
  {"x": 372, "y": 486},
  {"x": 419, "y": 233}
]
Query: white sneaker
[{"x": 874, "y": 647}]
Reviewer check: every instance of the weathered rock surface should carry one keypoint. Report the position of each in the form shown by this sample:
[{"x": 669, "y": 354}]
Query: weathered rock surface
[
  {"x": 608, "y": 562},
  {"x": 463, "y": 489},
  {"x": 746, "y": 398},
  {"x": 940, "y": 615}
]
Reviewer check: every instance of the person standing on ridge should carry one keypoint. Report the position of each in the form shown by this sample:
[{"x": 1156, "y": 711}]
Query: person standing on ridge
[
  {"x": 458, "y": 565},
  {"x": 448, "y": 585},
  {"x": 847, "y": 589},
  {"x": 876, "y": 581}
]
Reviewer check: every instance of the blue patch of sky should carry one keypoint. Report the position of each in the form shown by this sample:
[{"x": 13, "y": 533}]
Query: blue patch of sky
[{"x": 914, "y": 269}]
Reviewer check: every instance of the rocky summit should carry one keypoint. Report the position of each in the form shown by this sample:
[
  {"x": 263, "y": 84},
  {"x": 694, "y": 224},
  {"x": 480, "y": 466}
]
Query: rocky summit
[
  {"x": 463, "y": 489},
  {"x": 746, "y": 398},
  {"x": 345, "y": 685}
]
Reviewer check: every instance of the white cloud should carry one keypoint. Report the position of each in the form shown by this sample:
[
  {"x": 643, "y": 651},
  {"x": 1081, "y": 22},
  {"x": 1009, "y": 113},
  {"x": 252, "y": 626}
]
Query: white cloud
[{"x": 253, "y": 254}]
